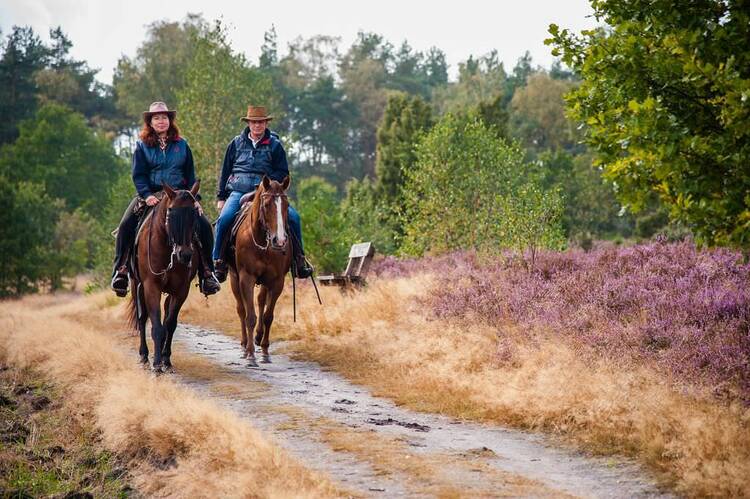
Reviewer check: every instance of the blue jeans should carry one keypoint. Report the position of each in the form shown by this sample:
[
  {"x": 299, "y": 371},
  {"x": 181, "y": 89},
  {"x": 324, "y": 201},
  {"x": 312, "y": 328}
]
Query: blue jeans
[{"x": 232, "y": 206}]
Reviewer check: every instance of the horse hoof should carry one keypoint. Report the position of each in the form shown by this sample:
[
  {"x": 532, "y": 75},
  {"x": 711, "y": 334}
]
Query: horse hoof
[
  {"x": 157, "y": 369},
  {"x": 144, "y": 360},
  {"x": 244, "y": 354},
  {"x": 251, "y": 362},
  {"x": 265, "y": 359},
  {"x": 257, "y": 342},
  {"x": 168, "y": 369}
]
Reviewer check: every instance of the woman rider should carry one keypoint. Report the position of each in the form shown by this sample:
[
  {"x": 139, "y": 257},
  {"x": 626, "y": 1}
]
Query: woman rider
[{"x": 161, "y": 157}]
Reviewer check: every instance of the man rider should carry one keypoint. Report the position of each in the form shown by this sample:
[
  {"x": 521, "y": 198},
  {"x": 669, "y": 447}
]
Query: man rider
[{"x": 255, "y": 152}]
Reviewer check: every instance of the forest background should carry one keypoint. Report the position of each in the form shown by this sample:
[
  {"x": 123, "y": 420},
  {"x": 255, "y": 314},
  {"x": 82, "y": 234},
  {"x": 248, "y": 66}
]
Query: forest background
[{"x": 638, "y": 130}]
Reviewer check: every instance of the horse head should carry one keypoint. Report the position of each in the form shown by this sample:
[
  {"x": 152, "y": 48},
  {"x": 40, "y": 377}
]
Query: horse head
[
  {"x": 273, "y": 205},
  {"x": 180, "y": 221}
]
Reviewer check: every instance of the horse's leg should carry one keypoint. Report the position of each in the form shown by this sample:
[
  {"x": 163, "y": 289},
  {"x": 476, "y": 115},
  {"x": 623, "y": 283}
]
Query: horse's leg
[
  {"x": 141, "y": 301},
  {"x": 262, "y": 294},
  {"x": 153, "y": 305},
  {"x": 235, "y": 282},
  {"x": 247, "y": 284},
  {"x": 170, "y": 324},
  {"x": 273, "y": 296}
]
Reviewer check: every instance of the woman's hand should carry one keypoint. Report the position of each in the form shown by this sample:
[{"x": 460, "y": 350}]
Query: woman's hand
[
  {"x": 152, "y": 200},
  {"x": 199, "y": 208},
  {"x": 220, "y": 204}
]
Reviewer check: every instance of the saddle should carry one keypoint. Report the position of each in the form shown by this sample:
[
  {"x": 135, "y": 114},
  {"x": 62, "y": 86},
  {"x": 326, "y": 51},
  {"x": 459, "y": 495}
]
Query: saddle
[{"x": 227, "y": 242}]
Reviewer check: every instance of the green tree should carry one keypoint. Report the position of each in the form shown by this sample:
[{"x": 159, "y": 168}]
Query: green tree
[
  {"x": 73, "y": 84},
  {"x": 23, "y": 54},
  {"x": 665, "y": 98},
  {"x": 480, "y": 80},
  {"x": 365, "y": 217},
  {"x": 470, "y": 189},
  {"x": 219, "y": 84},
  {"x": 158, "y": 70},
  {"x": 591, "y": 209},
  {"x": 59, "y": 151},
  {"x": 324, "y": 229},
  {"x": 538, "y": 114},
  {"x": 28, "y": 217},
  {"x": 405, "y": 118}
]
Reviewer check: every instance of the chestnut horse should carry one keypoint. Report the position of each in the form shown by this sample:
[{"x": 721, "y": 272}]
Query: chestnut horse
[
  {"x": 165, "y": 262},
  {"x": 262, "y": 256}
]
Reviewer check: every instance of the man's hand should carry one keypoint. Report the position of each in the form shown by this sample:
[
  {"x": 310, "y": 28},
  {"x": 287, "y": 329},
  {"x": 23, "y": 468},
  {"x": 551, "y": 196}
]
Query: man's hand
[
  {"x": 199, "y": 208},
  {"x": 220, "y": 204},
  {"x": 152, "y": 200}
]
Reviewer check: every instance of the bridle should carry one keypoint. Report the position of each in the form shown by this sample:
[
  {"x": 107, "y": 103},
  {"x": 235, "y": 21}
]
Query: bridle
[
  {"x": 264, "y": 225},
  {"x": 179, "y": 214}
]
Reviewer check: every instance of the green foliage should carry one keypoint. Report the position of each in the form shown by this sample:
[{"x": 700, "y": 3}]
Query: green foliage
[
  {"x": 27, "y": 223},
  {"x": 666, "y": 101},
  {"x": 219, "y": 84},
  {"x": 479, "y": 80},
  {"x": 33, "y": 74},
  {"x": 56, "y": 180},
  {"x": 323, "y": 227},
  {"x": 23, "y": 54},
  {"x": 405, "y": 118},
  {"x": 159, "y": 69},
  {"x": 367, "y": 218},
  {"x": 470, "y": 189},
  {"x": 590, "y": 209},
  {"x": 59, "y": 151},
  {"x": 538, "y": 119}
]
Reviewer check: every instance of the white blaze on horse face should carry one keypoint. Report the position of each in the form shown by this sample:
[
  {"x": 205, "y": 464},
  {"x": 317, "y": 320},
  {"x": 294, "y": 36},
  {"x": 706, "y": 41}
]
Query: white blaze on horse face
[{"x": 280, "y": 229}]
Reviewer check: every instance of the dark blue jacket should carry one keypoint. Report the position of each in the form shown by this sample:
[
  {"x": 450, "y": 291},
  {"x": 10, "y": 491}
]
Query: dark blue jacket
[
  {"x": 245, "y": 165},
  {"x": 153, "y": 167}
]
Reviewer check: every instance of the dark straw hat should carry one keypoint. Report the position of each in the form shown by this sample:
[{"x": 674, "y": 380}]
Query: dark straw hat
[
  {"x": 158, "y": 107},
  {"x": 256, "y": 113}
]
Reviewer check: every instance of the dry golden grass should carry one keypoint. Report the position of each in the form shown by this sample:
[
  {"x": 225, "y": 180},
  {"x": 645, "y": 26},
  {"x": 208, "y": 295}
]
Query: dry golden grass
[
  {"x": 380, "y": 338},
  {"x": 182, "y": 446}
]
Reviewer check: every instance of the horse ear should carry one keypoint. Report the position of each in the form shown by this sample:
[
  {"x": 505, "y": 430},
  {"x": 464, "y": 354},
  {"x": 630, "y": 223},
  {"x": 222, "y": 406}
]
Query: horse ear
[
  {"x": 285, "y": 183},
  {"x": 196, "y": 187},
  {"x": 170, "y": 192},
  {"x": 266, "y": 182}
]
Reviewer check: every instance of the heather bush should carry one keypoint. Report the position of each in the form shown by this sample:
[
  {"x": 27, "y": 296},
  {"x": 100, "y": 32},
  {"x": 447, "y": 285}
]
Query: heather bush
[{"x": 673, "y": 306}]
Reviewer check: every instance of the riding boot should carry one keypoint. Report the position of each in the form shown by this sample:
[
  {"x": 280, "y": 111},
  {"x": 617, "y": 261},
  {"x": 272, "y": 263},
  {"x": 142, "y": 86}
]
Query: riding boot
[
  {"x": 119, "y": 282},
  {"x": 301, "y": 267},
  {"x": 221, "y": 270},
  {"x": 123, "y": 247},
  {"x": 208, "y": 283}
]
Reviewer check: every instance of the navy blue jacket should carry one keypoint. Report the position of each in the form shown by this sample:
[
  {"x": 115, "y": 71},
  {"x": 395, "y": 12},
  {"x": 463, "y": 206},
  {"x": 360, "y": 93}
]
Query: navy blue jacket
[
  {"x": 153, "y": 167},
  {"x": 245, "y": 165}
]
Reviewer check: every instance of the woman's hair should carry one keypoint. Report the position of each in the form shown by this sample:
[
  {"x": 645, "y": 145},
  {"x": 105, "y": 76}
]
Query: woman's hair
[{"x": 149, "y": 136}]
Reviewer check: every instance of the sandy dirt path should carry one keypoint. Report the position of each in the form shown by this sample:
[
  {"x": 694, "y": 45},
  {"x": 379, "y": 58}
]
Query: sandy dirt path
[{"x": 374, "y": 448}]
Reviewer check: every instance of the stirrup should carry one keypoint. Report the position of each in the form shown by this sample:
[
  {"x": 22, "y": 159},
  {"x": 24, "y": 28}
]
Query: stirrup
[
  {"x": 209, "y": 284},
  {"x": 119, "y": 284},
  {"x": 305, "y": 270}
]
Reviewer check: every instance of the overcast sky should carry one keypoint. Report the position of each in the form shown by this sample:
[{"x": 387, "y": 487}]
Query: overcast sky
[{"x": 102, "y": 31}]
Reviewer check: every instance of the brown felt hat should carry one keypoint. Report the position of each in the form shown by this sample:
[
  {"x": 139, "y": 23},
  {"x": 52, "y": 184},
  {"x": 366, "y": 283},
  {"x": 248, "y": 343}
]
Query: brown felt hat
[
  {"x": 256, "y": 113},
  {"x": 158, "y": 107}
]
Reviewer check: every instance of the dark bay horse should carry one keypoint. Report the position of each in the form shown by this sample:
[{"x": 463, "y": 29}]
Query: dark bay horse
[
  {"x": 262, "y": 256},
  {"x": 165, "y": 262}
]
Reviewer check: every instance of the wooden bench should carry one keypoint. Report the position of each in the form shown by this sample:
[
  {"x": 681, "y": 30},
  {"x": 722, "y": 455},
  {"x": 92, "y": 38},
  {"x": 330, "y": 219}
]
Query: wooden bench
[{"x": 360, "y": 256}]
